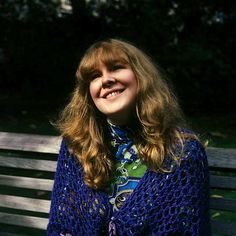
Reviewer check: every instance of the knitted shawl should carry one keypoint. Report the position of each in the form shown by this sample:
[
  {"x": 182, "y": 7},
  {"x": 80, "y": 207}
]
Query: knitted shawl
[{"x": 175, "y": 203}]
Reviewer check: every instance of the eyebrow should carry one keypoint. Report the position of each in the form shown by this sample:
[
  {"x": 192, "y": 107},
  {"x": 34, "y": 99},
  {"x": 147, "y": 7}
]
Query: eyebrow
[{"x": 109, "y": 63}]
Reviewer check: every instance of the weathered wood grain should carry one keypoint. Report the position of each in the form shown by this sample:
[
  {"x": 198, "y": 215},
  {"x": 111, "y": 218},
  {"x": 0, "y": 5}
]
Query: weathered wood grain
[
  {"x": 22, "y": 220},
  {"x": 222, "y": 157},
  {"x": 224, "y": 182},
  {"x": 24, "y": 203},
  {"x": 26, "y": 163},
  {"x": 26, "y": 182},
  {"x": 223, "y": 204},
  {"x": 30, "y": 142}
]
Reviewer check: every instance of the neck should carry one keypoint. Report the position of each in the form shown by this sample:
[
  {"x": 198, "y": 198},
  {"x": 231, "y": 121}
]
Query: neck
[{"x": 117, "y": 122}]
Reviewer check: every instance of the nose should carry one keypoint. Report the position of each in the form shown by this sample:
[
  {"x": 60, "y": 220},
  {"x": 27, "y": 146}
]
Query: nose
[{"x": 108, "y": 81}]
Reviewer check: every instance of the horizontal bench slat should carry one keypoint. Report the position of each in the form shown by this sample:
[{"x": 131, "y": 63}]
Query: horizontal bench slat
[
  {"x": 22, "y": 220},
  {"x": 223, "y": 204},
  {"x": 47, "y": 184},
  {"x": 224, "y": 228},
  {"x": 30, "y": 142},
  {"x": 218, "y": 157},
  {"x": 218, "y": 227},
  {"x": 26, "y": 163},
  {"x": 37, "y": 205},
  {"x": 225, "y": 182},
  {"x": 222, "y": 157},
  {"x": 10, "y": 234},
  {"x": 26, "y": 182},
  {"x": 24, "y": 203}
]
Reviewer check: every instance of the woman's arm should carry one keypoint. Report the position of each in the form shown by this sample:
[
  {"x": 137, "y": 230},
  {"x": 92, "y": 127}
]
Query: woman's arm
[
  {"x": 60, "y": 208},
  {"x": 192, "y": 190}
]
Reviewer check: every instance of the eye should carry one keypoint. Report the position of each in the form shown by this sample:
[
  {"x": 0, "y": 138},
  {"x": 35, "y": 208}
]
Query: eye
[
  {"x": 117, "y": 67},
  {"x": 95, "y": 75}
]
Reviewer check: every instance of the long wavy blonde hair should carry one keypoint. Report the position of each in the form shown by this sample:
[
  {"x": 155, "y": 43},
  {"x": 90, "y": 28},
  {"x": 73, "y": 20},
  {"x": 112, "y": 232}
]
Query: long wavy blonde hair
[{"x": 157, "y": 117}]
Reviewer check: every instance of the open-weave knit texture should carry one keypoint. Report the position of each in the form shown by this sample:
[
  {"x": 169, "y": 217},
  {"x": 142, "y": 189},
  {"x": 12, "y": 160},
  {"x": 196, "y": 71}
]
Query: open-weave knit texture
[{"x": 175, "y": 203}]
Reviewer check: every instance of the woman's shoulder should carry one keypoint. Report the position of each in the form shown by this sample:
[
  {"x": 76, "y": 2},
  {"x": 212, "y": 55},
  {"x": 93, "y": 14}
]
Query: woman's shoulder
[
  {"x": 191, "y": 145},
  {"x": 65, "y": 152},
  {"x": 190, "y": 157},
  {"x": 63, "y": 148},
  {"x": 67, "y": 161},
  {"x": 193, "y": 154}
]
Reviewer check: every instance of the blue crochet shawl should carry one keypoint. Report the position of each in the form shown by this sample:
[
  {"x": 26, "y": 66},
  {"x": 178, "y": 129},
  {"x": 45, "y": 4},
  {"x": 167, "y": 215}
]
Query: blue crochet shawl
[{"x": 175, "y": 203}]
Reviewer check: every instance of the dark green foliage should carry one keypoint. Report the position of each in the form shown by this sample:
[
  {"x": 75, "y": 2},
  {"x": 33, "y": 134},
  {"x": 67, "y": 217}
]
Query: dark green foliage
[{"x": 193, "y": 41}]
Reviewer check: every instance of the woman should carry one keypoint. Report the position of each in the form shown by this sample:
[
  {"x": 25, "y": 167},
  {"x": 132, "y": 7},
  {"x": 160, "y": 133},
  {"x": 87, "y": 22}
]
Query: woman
[{"x": 126, "y": 164}]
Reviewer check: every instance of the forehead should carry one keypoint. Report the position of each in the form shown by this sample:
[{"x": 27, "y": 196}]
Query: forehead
[{"x": 104, "y": 55}]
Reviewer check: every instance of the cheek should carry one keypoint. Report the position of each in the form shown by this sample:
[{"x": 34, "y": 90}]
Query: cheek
[
  {"x": 134, "y": 84},
  {"x": 92, "y": 90}
]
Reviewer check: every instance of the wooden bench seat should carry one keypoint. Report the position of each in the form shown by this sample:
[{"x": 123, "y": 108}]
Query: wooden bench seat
[{"x": 27, "y": 166}]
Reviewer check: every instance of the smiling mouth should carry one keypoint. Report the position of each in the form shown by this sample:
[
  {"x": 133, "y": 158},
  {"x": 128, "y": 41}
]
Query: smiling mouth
[{"x": 113, "y": 94}]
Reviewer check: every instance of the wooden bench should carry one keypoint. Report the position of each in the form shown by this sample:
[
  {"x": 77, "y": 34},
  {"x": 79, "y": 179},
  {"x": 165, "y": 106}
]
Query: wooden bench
[{"x": 27, "y": 165}]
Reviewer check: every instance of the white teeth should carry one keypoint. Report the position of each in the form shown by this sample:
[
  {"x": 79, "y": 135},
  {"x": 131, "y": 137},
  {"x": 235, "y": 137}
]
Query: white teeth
[{"x": 112, "y": 94}]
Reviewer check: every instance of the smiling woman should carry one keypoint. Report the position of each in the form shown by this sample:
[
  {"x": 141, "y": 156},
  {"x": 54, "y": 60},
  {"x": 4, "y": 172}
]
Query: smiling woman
[
  {"x": 127, "y": 164},
  {"x": 114, "y": 92}
]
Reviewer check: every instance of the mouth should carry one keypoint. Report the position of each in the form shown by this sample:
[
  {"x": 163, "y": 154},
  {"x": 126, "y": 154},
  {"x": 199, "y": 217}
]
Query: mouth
[{"x": 113, "y": 94}]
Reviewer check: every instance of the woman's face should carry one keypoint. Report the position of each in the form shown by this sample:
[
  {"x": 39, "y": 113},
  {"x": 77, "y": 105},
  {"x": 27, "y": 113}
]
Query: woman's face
[{"x": 113, "y": 89}]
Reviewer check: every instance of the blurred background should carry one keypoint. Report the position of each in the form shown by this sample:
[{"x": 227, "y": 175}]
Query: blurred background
[{"x": 42, "y": 41}]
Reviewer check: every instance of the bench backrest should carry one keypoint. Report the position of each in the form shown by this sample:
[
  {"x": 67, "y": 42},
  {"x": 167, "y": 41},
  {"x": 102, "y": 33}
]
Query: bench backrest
[{"x": 27, "y": 166}]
